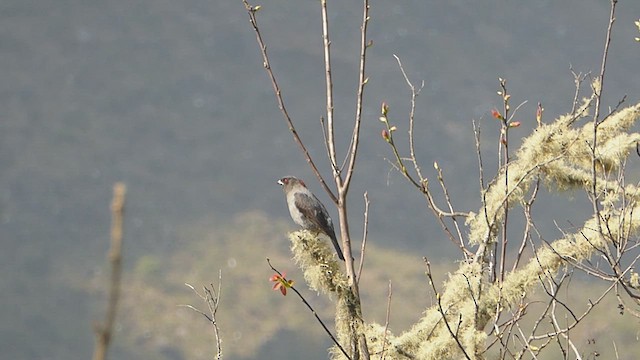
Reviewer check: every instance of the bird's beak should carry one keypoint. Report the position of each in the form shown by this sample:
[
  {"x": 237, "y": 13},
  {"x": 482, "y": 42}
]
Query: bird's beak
[{"x": 280, "y": 182}]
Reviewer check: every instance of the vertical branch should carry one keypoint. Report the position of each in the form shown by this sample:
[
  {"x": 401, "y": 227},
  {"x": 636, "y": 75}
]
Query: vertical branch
[
  {"x": 103, "y": 331},
  {"x": 343, "y": 185},
  {"x": 597, "y": 88},
  {"x": 506, "y": 122},
  {"x": 362, "y": 81},
  {"x": 527, "y": 226},
  {"x": 213, "y": 301},
  {"x": 605, "y": 56},
  {"x": 326, "y": 45},
  {"x": 504, "y": 144},
  {"x": 357, "y": 336}
]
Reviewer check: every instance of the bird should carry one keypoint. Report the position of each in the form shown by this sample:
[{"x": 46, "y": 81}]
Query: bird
[{"x": 307, "y": 211}]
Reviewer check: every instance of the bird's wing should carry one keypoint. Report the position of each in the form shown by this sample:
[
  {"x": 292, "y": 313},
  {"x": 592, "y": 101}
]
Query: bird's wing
[{"x": 313, "y": 210}]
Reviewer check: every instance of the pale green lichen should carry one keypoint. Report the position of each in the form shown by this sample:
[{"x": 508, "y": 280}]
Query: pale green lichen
[
  {"x": 322, "y": 273},
  {"x": 560, "y": 154},
  {"x": 318, "y": 263}
]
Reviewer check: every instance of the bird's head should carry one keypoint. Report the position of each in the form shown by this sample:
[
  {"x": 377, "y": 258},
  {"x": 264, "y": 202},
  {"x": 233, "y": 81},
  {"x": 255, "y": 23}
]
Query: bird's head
[{"x": 289, "y": 182}]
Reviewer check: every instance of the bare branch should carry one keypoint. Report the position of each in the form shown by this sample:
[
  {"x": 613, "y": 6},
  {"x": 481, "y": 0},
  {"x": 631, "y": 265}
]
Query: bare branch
[
  {"x": 412, "y": 112},
  {"x": 467, "y": 253},
  {"x": 443, "y": 312},
  {"x": 103, "y": 332},
  {"x": 326, "y": 46},
  {"x": 365, "y": 231},
  {"x": 386, "y": 322},
  {"x": 315, "y": 314},
  {"x": 211, "y": 297},
  {"x": 362, "y": 81},
  {"x": 597, "y": 91}
]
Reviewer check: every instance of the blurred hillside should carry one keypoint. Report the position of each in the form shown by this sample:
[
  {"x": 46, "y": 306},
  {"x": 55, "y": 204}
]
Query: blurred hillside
[
  {"x": 259, "y": 323},
  {"x": 171, "y": 98}
]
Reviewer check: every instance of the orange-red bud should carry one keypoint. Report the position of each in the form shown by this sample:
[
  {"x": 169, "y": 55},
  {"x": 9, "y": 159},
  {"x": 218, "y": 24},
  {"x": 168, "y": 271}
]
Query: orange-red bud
[{"x": 496, "y": 114}]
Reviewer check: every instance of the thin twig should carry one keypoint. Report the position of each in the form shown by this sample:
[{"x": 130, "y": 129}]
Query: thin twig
[
  {"x": 442, "y": 312},
  {"x": 578, "y": 78},
  {"x": 422, "y": 182},
  {"x": 527, "y": 226},
  {"x": 412, "y": 112},
  {"x": 577, "y": 318},
  {"x": 386, "y": 322},
  {"x": 476, "y": 136},
  {"x": 447, "y": 198},
  {"x": 212, "y": 298},
  {"x": 422, "y": 186},
  {"x": 365, "y": 231},
  {"x": 326, "y": 329},
  {"x": 334, "y": 167}
]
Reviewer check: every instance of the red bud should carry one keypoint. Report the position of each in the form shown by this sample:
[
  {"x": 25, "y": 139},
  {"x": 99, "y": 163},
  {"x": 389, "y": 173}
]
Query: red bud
[{"x": 496, "y": 114}]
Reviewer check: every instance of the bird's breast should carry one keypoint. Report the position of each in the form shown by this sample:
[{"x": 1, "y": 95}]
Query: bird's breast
[{"x": 296, "y": 214}]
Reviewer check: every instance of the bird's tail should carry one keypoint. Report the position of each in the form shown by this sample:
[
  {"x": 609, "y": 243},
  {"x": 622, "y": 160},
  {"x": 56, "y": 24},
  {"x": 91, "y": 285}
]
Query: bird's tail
[{"x": 337, "y": 246}]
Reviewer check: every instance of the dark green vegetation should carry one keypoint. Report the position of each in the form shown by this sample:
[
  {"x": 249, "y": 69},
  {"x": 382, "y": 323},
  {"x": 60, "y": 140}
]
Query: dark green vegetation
[{"x": 170, "y": 97}]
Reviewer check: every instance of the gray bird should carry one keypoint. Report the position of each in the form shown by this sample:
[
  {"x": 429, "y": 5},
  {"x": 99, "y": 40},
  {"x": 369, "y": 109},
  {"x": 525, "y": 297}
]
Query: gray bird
[{"x": 307, "y": 211}]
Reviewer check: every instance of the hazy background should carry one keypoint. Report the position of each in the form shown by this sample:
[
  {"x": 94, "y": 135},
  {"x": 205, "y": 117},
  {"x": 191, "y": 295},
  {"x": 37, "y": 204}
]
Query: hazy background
[{"x": 171, "y": 98}]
